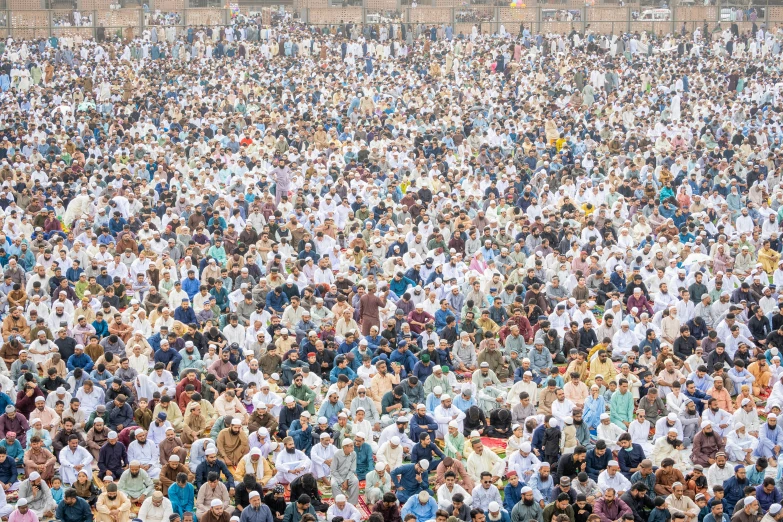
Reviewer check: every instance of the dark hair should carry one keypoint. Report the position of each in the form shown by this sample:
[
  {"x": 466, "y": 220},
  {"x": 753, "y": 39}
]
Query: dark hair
[{"x": 70, "y": 493}]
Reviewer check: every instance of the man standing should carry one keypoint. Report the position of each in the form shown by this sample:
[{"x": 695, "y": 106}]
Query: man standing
[
  {"x": 344, "y": 479},
  {"x": 369, "y": 306}
]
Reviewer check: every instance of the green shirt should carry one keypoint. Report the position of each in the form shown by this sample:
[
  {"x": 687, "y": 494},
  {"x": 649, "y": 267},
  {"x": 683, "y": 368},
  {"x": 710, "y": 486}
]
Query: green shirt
[{"x": 303, "y": 393}]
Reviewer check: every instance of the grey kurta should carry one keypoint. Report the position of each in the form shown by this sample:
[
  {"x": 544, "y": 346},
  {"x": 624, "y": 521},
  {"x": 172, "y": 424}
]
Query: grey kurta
[
  {"x": 344, "y": 468},
  {"x": 40, "y": 503}
]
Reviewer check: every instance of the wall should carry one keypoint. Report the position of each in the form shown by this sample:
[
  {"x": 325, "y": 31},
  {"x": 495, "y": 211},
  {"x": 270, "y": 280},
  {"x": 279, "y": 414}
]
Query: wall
[{"x": 27, "y": 20}]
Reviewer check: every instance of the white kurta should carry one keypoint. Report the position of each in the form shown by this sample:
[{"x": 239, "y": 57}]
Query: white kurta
[
  {"x": 147, "y": 454},
  {"x": 736, "y": 445},
  {"x": 640, "y": 433},
  {"x": 287, "y": 462},
  {"x": 348, "y": 512},
  {"x": 320, "y": 453},
  {"x": 270, "y": 398},
  {"x": 618, "y": 482},
  {"x": 391, "y": 456},
  {"x": 610, "y": 433},
  {"x": 445, "y": 415},
  {"x": 70, "y": 458},
  {"x": 525, "y": 466}
]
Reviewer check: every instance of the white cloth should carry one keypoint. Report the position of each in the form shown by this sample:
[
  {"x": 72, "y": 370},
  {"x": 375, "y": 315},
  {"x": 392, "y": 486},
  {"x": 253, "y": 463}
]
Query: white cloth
[
  {"x": 320, "y": 453},
  {"x": 286, "y": 462},
  {"x": 147, "y": 454},
  {"x": 71, "y": 458},
  {"x": 618, "y": 482}
]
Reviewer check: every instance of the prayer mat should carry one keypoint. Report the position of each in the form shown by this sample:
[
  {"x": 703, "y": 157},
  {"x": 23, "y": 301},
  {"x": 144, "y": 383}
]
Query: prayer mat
[{"x": 496, "y": 445}]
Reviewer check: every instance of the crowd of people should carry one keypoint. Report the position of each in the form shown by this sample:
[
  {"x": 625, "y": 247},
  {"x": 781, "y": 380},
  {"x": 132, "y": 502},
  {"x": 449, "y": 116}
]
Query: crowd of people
[{"x": 282, "y": 273}]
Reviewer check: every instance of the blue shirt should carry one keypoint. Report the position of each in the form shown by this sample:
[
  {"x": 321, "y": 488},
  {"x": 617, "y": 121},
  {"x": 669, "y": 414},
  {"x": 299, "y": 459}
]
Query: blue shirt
[
  {"x": 423, "y": 512},
  {"x": 512, "y": 495},
  {"x": 182, "y": 499},
  {"x": 82, "y": 361},
  {"x": 260, "y": 514},
  {"x": 79, "y": 512},
  {"x": 405, "y": 477},
  {"x": 364, "y": 460}
]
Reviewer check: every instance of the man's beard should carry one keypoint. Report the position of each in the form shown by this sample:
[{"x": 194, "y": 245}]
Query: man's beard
[
  {"x": 291, "y": 450},
  {"x": 134, "y": 475},
  {"x": 578, "y": 422},
  {"x": 528, "y": 502},
  {"x": 710, "y": 434}
]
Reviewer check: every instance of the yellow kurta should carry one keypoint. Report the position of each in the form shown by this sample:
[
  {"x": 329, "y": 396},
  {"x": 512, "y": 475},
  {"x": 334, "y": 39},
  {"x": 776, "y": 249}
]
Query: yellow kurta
[{"x": 104, "y": 506}]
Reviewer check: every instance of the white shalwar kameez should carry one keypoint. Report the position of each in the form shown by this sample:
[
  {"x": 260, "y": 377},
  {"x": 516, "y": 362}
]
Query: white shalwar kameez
[
  {"x": 286, "y": 462},
  {"x": 319, "y": 454},
  {"x": 147, "y": 454},
  {"x": 737, "y": 443},
  {"x": 69, "y": 459}
]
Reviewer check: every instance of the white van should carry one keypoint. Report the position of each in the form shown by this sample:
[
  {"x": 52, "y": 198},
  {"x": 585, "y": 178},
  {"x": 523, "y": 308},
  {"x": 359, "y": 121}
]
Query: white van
[{"x": 658, "y": 15}]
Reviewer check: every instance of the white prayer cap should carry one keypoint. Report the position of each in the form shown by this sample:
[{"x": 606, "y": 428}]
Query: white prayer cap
[
  {"x": 749, "y": 500},
  {"x": 216, "y": 502},
  {"x": 289, "y": 400},
  {"x": 745, "y": 401},
  {"x": 525, "y": 447},
  {"x": 526, "y": 489},
  {"x": 604, "y": 416},
  {"x": 494, "y": 507},
  {"x": 705, "y": 423},
  {"x": 672, "y": 430},
  {"x": 425, "y": 464},
  {"x": 212, "y": 450},
  {"x": 672, "y": 417},
  {"x": 35, "y": 475},
  {"x": 255, "y": 451},
  {"x": 323, "y": 420},
  {"x": 361, "y": 435},
  {"x": 613, "y": 463},
  {"x": 254, "y": 494},
  {"x": 347, "y": 442},
  {"x": 453, "y": 424},
  {"x": 22, "y": 502},
  {"x": 553, "y": 422},
  {"x": 112, "y": 434},
  {"x": 774, "y": 509},
  {"x": 772, "y": 416},
  {"x": 340, "y": 498},
  {"x": 395, "y": 440},
  {"x": 324, "y": 435},
  {"x": 437, "y": 390},
  {"x": 445, "y": 397},
  {"x": 236, "y": 422},
  {"x": 424, "y": 497},
  {"x": 174, "y": 458}
]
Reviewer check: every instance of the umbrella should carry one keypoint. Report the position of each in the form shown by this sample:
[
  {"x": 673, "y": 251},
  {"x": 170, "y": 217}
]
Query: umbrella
[{"x": 696, "y": 258}]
